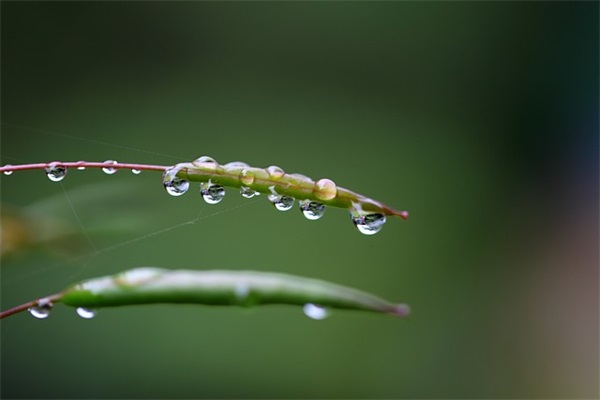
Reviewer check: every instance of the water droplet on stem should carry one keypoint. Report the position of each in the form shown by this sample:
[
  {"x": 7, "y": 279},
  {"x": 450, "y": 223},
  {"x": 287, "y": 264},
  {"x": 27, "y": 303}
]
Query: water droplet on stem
[
  {"x": 176, "y": 186},
  {"x": 136, "y": 171},
  {"x": 248, "y": 193},
  {"x": 275, "y": 172},
  {"x": 109, "y": 170},
  {"x": 369, "y": 224},
  {"x": 312, "y": 210},
  {"x": 8, "y": 172},
  {"x": 315, "y": 312},
  {"x": 42, "y": 309},
  {"x": 282, "y": 203},
  {"x": 56, "y": 172},
  {"x": 211, "y": 193},
  {"x": 85, "y": 313},
  {"x": 247, "y": 177}
]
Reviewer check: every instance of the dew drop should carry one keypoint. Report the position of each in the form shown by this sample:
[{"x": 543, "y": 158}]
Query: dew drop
[
  {"x": 206, "y": 162},
  {"x": 135, "y": 171},
  {"x": 369, "y": 224},
  {"x": 8, "y": 172},
  {"x": 325, "y": 189},
  {"x": 236, "y": 164},
  {"x": 312, "y": 210},
  {"x": 275, "y": 172},
  {"x": 81, "y": 167},
  {"x": 212, "y": 194},
  {"x": 282, "y": 203},
  {"x": 109, "y": 170},
  {"x": 247, "y": 177},
  {"x": 86, "y": 313},
  {"x": 56, "y": 172},
  {"x": 176, "y": 186},
  {"x": 248, "y": 193},
  {"x": 42, "y": 309},
  {"x": 315, "y": 312}
]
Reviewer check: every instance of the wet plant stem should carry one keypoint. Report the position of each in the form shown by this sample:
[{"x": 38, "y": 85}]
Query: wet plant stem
[
  {"x": 83, "y": 164},
  {"x": 30, "y": 304}
]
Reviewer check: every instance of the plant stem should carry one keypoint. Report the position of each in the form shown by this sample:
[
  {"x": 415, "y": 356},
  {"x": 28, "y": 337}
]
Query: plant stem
[{"x": 85, "y": 164}]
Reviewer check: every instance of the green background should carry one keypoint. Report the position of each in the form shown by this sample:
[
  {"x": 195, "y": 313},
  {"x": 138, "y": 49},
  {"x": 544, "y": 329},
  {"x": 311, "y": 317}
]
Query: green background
[{"x": 479, "y": 118}]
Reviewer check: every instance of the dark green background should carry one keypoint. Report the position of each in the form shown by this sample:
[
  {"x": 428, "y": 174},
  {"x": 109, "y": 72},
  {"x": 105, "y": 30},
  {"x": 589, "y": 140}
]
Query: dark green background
[{"x": 479, "y": 118}]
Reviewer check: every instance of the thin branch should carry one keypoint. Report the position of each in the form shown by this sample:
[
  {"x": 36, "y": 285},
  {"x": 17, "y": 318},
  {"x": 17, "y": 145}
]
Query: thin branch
[
  {"x": 48, "y": 300},
  {"x": 84, "y": 164}
]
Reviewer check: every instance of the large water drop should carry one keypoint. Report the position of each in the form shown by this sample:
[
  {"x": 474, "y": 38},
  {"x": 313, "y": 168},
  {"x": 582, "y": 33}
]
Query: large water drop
[
  {"x": 176, "y": 186},
  {"x": 369, "y": 224},
  {"x": 248, "y": 193},
  {"x": 85, "y": 313},
  {"x": 211, "y": 193},
  {"x": 315, "y": 312},
  {"x": 109, "y": 170},
  {"x": 312, "y": 210},
  {"x": 56, "y": 172},
  {"x": 282, "y": 203}
]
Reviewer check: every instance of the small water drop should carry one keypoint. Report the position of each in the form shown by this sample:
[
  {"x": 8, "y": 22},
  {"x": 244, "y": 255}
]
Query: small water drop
[
  {"x": 315, "y": 312},
  {"x": 247, "y": 177},
  {"x": 81, "y": 167},
  {"x": 369, "y": 224},
  {"x": 56, "y": 172},
  {"x": 282, "y": 203},
  {"x": 211, "y": 193},
  {"x": 176, "y": 186},
  {"x": 312, "y": 210},
  {"x": 248, "y": 193},
  {"x": 206, "y": 162},
  {"x": 136, "y": 171},
  {"x": 275, "y": 172},
  {"x": 236, "y": 164},
  {"x": 86, "y": 313},
  {"x": 8, "y": 172},
  {"x": 109, "y": 170},
  {"x": 42, "y": 309}
]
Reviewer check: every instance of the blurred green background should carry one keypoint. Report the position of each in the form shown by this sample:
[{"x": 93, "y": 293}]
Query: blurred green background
[{"x": 479, "y": 118}]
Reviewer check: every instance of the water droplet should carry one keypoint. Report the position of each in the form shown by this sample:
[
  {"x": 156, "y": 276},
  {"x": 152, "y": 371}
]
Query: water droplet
[
  {"x": 275, "y": 172},
  {"x": 42, "y": 309},
  {"x": 311, "y": 209},
  {"x": 86, "y": 313},
  {"x": 369, "y": 224},
  {"x": 236, "y": 164},
  {"x": 81, "y": 167},
  {"x": 212, "y": 194},
  {"x": 176, "y": 186},
  {"x": 315, "y": 312},
  {"x": 248, "y": 193},
  {"x": 325, "y": 189},
  {"x": 135, "y": 171},
  {"x": 282, "y": 203},
  {"x": 109, "y": 170},
  {"x": 8, "y": 172},
  {"x": 56, "y": 172},
  {"x": 206, "y": 162},
  {"x": 247, "y": 177}
]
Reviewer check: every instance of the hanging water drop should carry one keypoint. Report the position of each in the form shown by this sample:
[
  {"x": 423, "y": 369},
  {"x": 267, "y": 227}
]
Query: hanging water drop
[
  {"x": 176, "y": 186},
  {"x": 212, "y": 194},
  {"x": 81, "y": 167},
  {"x": 248, "y": 193},
  {"x": 109, "y": 170},
  {"x": 8, "y": 172},
  {"x": 85, "y": 313},
  {"x": 369, "y": 224},
  {"x": 56, "y": 172},
  {"x": 275, "y": 172},
  {"x": 282, "y": 203},
  {"x": 135, "y": 171},
  {"x": 247, "y": 177},
  {"x": 312, "y": 210},
  {"x": 315, "y": 312},
  {"x": 42, "y": 309}
]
